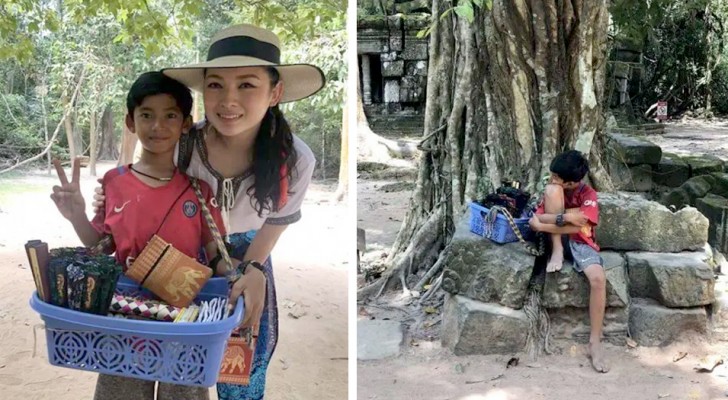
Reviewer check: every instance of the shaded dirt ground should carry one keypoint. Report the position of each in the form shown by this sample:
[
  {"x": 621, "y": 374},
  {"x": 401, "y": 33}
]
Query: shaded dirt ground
[
  {"x": 310, "y": 361},
  {"x": 424, "y": 370},
  {"x": 691, "y": 136}
]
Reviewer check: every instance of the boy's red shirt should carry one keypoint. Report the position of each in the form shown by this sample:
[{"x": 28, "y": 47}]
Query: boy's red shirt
[
  {"x": 134, "y": 211},
  {"x": 583, "y": 197}
]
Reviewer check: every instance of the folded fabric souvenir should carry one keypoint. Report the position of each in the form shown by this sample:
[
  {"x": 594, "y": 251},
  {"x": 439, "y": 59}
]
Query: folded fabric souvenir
[
  {"x": 82, "y": 280},
  {"x": 37, "y": 252},
  {"x": 151, "y": 309}
]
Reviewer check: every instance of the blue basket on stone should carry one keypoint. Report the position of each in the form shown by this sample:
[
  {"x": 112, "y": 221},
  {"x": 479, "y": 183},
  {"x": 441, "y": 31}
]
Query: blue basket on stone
[
  {"x": 184, "y": 353},
  {"x": 498, "y": 230}
]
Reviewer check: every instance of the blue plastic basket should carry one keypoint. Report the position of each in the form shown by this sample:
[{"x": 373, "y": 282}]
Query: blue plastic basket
[
  {"x": 185, "y": 353},
  {"x": 500, "y": 231}
]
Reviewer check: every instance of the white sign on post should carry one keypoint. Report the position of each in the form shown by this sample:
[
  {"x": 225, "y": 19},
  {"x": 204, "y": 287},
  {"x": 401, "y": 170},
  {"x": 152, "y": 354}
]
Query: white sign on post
[{"x": 662, "y": 110}]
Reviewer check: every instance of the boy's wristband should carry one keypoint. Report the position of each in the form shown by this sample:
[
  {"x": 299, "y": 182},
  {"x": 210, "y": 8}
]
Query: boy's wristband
[{"x": 559, "y": 219}]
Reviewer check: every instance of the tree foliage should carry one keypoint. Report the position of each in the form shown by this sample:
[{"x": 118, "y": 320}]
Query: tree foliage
[
  {"x": 684, "y": 53},
  {"x": 45, "y": 44}
]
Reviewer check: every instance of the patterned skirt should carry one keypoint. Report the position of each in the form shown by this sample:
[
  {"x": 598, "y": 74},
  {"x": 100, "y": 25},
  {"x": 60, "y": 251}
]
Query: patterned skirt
[{"x": 267, "y": 335}]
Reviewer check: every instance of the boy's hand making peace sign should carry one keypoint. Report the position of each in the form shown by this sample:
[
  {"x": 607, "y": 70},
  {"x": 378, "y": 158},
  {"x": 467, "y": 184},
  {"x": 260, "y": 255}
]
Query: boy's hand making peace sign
[{"x": 68, "y": 197}]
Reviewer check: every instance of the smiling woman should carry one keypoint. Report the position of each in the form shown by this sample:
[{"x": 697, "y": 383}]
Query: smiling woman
[{"x": 258, "y": 168}]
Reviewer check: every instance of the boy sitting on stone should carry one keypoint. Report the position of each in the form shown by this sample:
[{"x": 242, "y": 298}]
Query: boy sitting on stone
[{"x": 569, "y": 212}]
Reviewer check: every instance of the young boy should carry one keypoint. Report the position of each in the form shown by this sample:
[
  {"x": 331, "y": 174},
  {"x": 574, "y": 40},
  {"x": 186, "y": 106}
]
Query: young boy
[
  {"x": 569, "y": 212},
  {"x": 148, "y": 197}
]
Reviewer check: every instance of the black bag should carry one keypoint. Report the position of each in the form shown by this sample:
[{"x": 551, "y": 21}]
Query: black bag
[{"x": 512, "y": 199}]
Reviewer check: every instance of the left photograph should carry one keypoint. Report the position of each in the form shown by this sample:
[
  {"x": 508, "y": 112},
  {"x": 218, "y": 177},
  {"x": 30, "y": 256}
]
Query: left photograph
[{"x": 173, "y": 218}]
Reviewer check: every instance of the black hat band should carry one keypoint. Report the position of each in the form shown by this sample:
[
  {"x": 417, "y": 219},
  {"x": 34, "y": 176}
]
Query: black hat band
[{"x": 244, "y": 46}]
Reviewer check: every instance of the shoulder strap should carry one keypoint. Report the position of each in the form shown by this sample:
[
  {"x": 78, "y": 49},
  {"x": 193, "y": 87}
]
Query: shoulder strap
[{"x": 211, "y": 224}]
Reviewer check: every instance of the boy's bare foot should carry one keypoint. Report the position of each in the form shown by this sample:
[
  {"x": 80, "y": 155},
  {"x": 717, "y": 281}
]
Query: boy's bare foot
[
  {"x": 596, "y": 354},
  {"x": 555, "y": 262}
]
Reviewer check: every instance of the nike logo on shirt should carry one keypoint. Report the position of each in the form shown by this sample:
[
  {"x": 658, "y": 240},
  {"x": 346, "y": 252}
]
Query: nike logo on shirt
[{"x": 118, "y": 209}]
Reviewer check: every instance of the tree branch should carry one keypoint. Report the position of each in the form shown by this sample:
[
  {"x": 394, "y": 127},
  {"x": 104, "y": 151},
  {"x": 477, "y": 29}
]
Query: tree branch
[{"x": 10, "y": 112}]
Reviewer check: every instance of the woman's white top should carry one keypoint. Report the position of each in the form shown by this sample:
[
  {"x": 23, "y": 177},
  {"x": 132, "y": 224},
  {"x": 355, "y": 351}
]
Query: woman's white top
[{"x": 232, "y": 193}]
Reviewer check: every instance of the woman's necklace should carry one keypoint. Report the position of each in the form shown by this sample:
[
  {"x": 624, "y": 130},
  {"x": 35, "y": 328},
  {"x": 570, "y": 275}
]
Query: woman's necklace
[{"x": 150, "y": 176}]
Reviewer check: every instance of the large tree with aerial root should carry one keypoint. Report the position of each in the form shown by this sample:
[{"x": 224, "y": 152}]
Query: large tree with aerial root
[{"x": 510, "y": 84}]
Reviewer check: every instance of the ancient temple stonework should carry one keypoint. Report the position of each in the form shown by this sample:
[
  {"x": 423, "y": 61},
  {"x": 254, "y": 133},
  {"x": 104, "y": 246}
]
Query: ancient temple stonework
[{"x": 393, "y": 70}]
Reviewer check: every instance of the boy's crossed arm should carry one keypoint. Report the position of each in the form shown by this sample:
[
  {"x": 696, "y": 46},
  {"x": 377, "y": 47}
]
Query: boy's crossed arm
[{"x": 574, "y": 221}]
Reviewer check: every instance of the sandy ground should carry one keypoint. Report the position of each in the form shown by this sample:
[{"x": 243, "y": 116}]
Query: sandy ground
[
  {"x": 311, "y": 277},
  {"x": 424, "y": 370},
  {"x": 427, "y": 372}
]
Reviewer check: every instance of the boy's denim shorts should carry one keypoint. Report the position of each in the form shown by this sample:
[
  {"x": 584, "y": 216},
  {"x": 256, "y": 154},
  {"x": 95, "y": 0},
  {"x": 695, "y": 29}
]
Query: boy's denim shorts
[{"x": 582, "y": 254}]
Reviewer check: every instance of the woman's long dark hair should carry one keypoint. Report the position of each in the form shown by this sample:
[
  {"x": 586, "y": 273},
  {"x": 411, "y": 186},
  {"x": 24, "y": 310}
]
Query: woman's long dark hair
[{"x": 272, "y": 150}]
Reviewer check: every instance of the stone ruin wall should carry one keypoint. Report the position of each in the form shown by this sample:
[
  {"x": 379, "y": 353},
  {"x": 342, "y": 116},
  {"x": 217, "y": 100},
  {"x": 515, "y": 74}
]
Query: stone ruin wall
[
  {"x": 663, "y": 265},
  {"x": 660, "y": 283},
  {"x": 393, "y": 71}
]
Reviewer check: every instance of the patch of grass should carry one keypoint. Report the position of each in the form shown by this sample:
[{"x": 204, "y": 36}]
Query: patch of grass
[{"x": 10, "y": 187}]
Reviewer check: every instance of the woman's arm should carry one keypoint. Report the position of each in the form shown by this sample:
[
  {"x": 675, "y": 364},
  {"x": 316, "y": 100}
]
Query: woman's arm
[
  {"x": 253, "y": 283},
  {"x": 264, "y": 242}
]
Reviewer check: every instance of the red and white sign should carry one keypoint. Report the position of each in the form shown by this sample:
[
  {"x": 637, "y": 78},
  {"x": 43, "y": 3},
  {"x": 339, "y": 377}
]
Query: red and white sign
[{"x": 662, "y": 110}]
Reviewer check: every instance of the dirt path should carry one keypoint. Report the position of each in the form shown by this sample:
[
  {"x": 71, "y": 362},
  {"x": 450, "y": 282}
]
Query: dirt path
[
  {"x": 311, "y": 276},
  {"x": 696, "y": 137},
  {"x": 424, "y": 370}
]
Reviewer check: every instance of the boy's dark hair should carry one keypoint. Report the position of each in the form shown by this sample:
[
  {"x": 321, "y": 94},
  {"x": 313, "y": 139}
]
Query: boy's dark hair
[
  {"x": 153, "y": 83},
  {"x": 571, "y": 166}
]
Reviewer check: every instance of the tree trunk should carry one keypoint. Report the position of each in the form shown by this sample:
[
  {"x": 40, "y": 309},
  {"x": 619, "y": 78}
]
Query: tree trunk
[
  {"x": 68, "y": 124},
  {"x": 109, "y": 141},
  {"x": 92, "y": 143},
  {"x": 128, "y": 143},
  {"x": 505, "y": 94},
  {"x": 342, "y": 189}
]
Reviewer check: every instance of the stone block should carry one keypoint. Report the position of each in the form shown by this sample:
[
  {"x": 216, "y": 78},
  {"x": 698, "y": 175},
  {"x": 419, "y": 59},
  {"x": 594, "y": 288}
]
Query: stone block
[
  {"x": 674, "y": 279},
  {"x": 391, "y": 91},
  {"x": 704, "y": 164},
  {"x": 652, "y": 324},
  {"x": 373, "y": 45},
  {"x": 485, "y": 271},
  {"x": 719, "y": 310},
  {"x": 390, "y": 56},
  {"x": 567, "y": 288},
  {"x": 413, "y": 89},
  {"x": 378, "y": 339},
  {"x": 715, "y": 208},
  {"x": 573, "y": 323},
  {"x": 415, "y": 50},
  {"x": 632, "y": 150},
  {"x": 720, "y": 184},
  {"x": 396, "y": 43},
  {"x": 474, "y": 327},
  {"x": 672, "y": 171},
  {"x": 415, "y": 68},
  {"x": 633, "y": 178},
  {"x": 394, "y": 22},
  {"x": 629, "y": 222},
  {"x": 370, "y": 23},
  {"x": 698, "y": 186},
  {"x": 677, "y": 197},
  {"x": 392, "y": 69}
]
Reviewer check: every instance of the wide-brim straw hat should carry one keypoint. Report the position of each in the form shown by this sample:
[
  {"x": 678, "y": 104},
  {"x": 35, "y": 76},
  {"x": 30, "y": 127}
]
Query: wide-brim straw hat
[{"x": 251, "y": 46}]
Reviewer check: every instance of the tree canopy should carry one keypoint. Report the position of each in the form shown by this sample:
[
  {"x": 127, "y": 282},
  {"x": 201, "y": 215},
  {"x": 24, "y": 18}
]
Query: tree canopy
[{"x": 47, "y": 46}]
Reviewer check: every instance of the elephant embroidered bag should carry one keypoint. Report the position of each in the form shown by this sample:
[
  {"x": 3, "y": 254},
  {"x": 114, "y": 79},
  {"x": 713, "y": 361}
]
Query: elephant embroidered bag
[{"x": 170, "y": 274}]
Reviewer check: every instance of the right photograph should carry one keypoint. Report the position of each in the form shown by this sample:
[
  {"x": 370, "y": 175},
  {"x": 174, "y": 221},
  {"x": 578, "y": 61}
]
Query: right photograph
[{"x": 542, "y": 192}]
